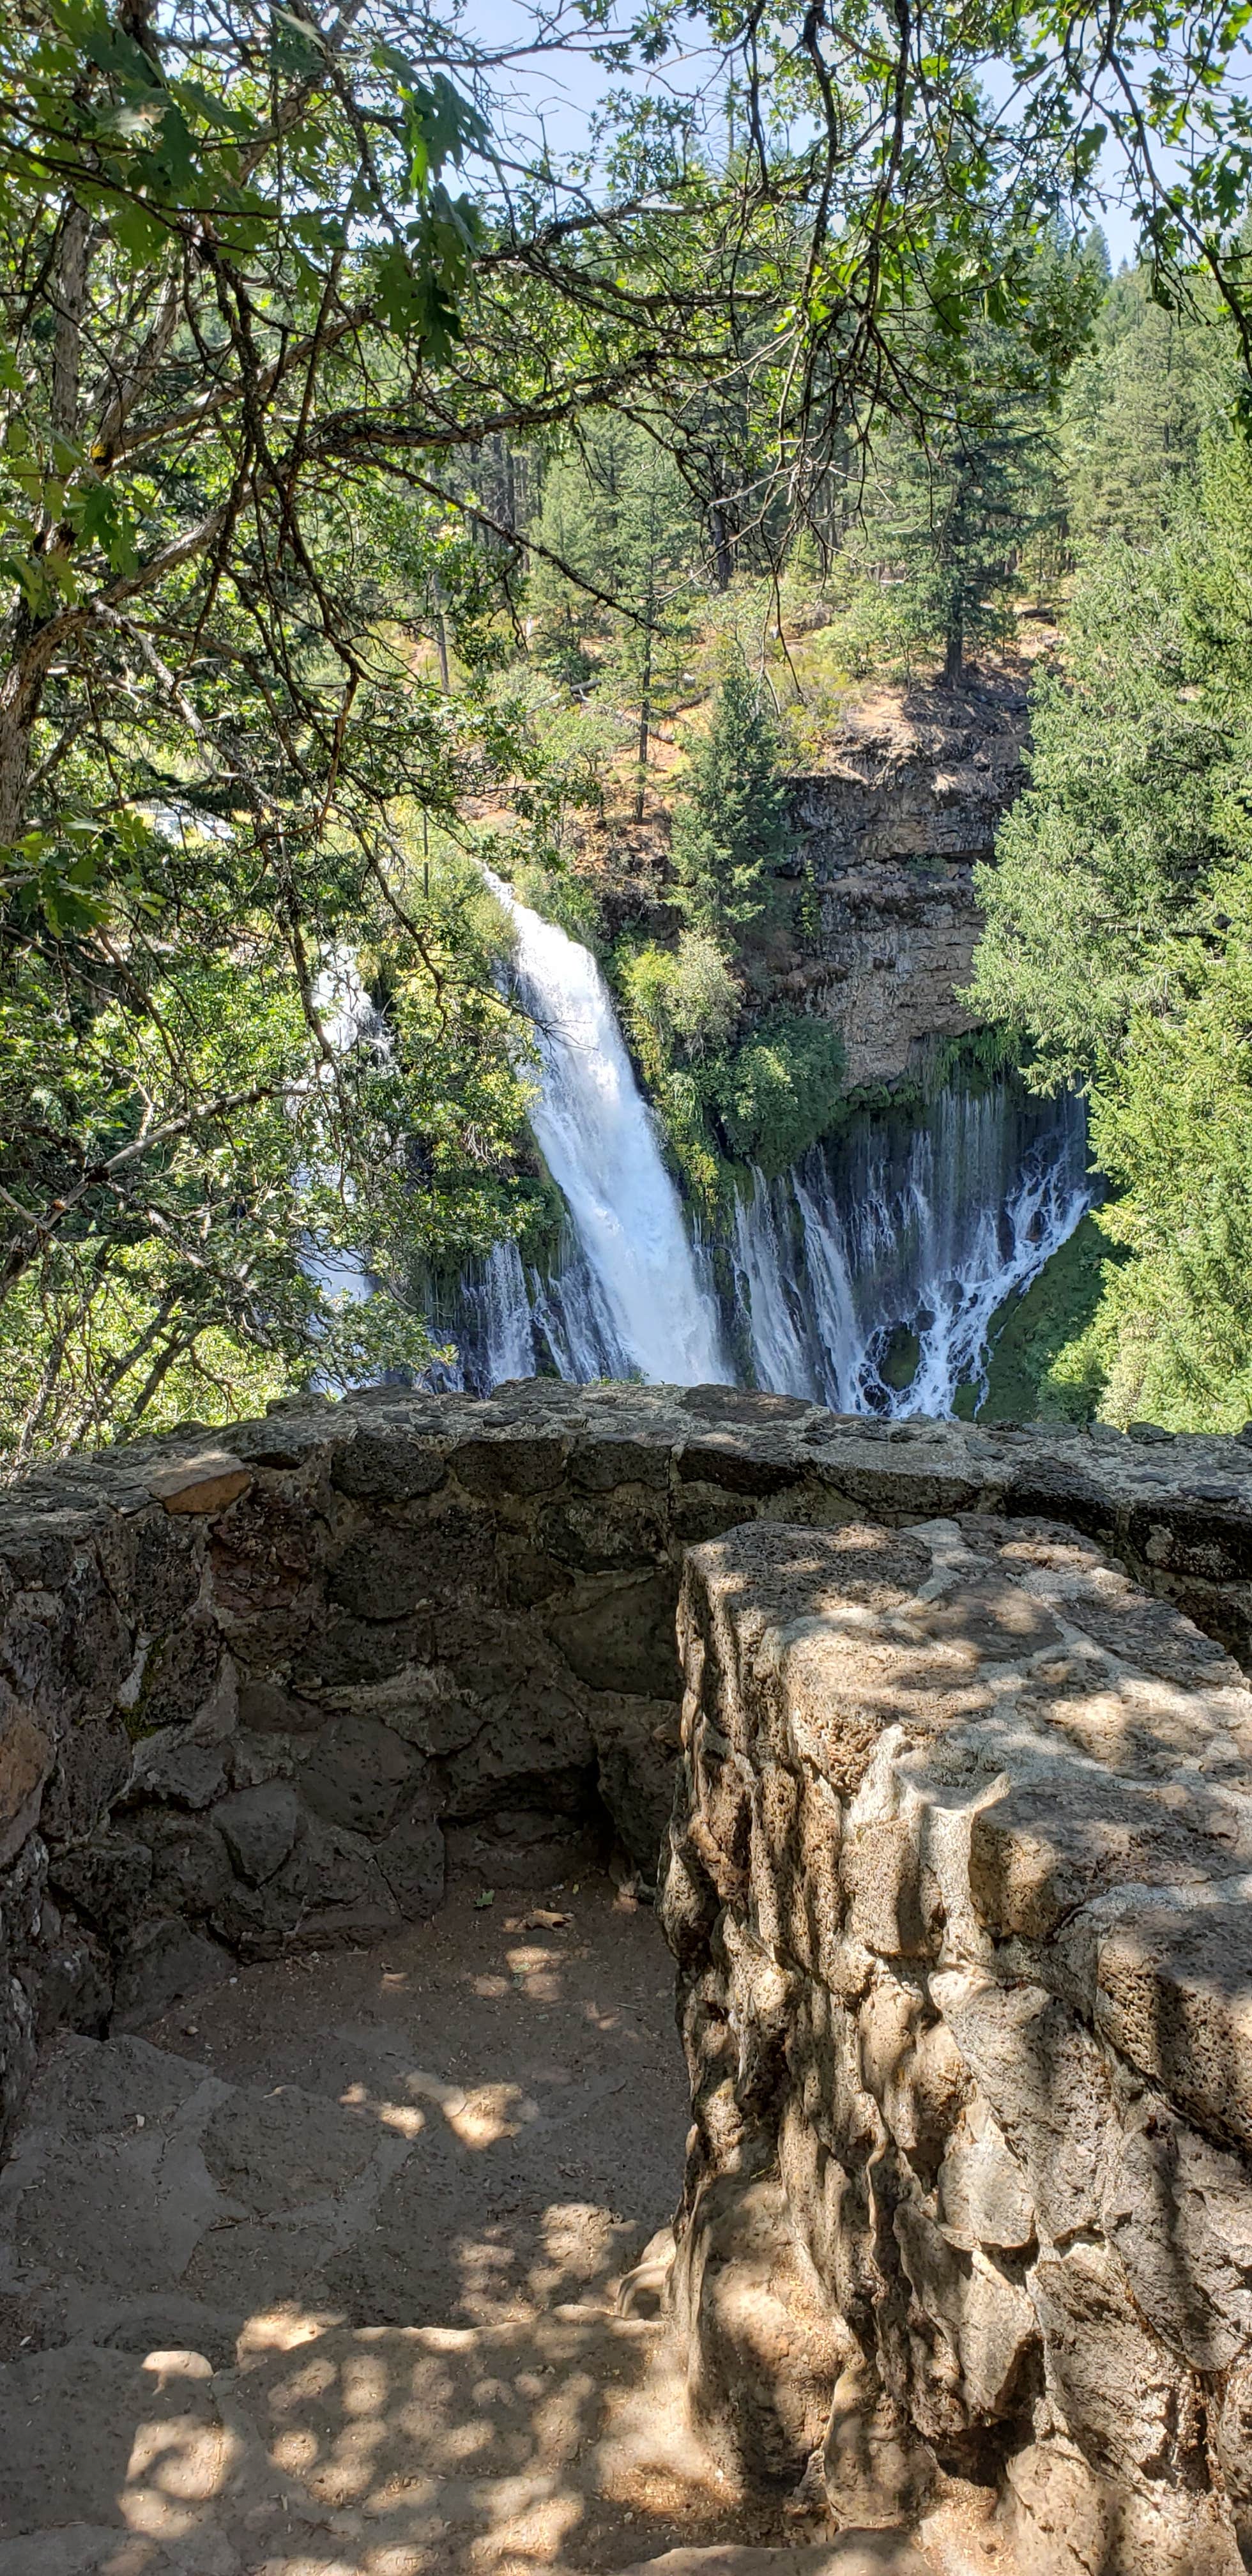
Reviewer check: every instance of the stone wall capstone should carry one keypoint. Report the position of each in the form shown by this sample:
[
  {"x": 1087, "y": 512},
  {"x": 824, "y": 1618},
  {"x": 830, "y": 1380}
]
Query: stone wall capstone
[{"x": 259, "y": 1688}]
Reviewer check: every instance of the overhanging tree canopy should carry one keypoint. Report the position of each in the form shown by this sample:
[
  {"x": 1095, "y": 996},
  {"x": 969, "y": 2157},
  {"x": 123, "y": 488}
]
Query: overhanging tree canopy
[{"x": 273, "y": 281}]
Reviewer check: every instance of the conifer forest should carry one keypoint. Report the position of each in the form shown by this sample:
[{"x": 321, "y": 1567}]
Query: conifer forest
[{"x": 469, "y": 483}]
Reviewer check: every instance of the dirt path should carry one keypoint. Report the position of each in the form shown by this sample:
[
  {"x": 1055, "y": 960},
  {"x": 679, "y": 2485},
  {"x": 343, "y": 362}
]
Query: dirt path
[
  {"x": 534, "y": 2069},
  {"x": 318, "y": 2274}
]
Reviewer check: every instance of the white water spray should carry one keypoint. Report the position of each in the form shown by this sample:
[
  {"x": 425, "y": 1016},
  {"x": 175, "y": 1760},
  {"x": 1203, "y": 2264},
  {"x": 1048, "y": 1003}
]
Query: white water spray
[
  {"x": 890, "y": 1246},
  {"x": 847, "y": 1254},
  {"x": 349, "y": 1018},
  {"x": 639, "y": 1306},
  {"x": 496, "y": 1300}
]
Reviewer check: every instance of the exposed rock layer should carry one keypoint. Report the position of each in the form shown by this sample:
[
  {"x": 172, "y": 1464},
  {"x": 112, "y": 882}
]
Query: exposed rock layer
[
  {"x": 892, "y": 832},
  {"x": 959, "y": 1890}
]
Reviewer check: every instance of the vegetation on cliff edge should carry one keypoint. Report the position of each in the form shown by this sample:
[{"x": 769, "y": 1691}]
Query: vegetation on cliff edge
[{"x": 339, "y": 422}]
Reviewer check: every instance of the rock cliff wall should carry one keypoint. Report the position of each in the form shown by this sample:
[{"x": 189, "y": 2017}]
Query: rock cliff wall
[
  {"x": 251, "y": 1693},
  {"x": 892, "y": 832}
]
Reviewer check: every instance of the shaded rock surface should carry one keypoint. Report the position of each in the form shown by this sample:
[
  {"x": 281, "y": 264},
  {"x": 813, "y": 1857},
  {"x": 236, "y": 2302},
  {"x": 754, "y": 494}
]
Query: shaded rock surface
[
  {"x": 319, "y": 2272},
  {"x": 318, "y": 2275},
  {"x": 961, "y": 1892},
  {"x": 893, "y": 828}
]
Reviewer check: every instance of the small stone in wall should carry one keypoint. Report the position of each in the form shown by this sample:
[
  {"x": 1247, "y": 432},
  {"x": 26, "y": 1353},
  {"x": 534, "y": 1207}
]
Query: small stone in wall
[
  {"x": 167, "y": 1962},
  {"x": 207, "y": 1483},
  {"x": 259, "y": 1828},
  {"x": 413, "y": 1861},
  {"x": 356, "y": 1772},
  {"x": 180, "y": 1771}
]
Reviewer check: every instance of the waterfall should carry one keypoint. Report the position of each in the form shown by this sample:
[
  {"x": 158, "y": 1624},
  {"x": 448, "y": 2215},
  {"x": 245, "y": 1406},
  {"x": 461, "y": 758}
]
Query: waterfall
[
  {"x": 865, "y": 1279},
  {"x": 503, "y": 1333},
  {"x": 632, "y": 1303},
  {"x": 784, "y": 1355},
  {"x": 349, "y": 1018},
  {"x": 898, "y": 1245}
]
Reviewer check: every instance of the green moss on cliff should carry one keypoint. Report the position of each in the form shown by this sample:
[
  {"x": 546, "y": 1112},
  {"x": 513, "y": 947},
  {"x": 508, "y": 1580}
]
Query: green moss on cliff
[
  {"x": 760, "y": 1102},
  {"x": 1043, "y": 1365}
]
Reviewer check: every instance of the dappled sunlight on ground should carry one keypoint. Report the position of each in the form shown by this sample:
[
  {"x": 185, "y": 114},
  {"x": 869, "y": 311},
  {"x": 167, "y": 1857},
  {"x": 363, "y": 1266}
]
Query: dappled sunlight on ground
[
  {"x": 319, "y": 2275},
  {"x": 494, "y": 2446}
]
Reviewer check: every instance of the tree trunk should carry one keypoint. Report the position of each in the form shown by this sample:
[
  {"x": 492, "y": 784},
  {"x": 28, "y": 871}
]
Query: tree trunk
[
  {"x": 508, "y": 487},
  {"x": 14, "y": 763},
  {"x": 954, "y": 653},
  {"x": 723, "y": 561},
  {"x": 71, "y": 305},
  {"x": 441, "y": 640},
  {"x": 21, "y": 692},
  {"x": 645, "y": 714},
  {"x": 22, "y": 685}
]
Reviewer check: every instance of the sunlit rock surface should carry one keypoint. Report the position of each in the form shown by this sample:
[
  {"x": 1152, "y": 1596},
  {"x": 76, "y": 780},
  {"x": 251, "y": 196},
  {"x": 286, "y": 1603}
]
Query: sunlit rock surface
[
  {"x": 893, "y": 828},
  {"x": 961, "y": 1892}
]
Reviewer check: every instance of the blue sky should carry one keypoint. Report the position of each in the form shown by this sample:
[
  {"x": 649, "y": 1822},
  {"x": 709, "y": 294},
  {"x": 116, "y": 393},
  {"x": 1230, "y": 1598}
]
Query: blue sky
[{"x": 558, "y": 94}]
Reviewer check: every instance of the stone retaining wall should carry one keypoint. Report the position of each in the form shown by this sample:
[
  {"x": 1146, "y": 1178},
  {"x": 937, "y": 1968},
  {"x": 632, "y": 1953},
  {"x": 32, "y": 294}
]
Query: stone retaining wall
[
  {"x": 258, "y": 1690},
  {"x": 961, "y": 1890}
]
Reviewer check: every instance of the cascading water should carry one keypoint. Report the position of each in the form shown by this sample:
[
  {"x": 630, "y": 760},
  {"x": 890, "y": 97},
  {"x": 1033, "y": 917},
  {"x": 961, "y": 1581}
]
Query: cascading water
[
  {"x": 497, "y": 1309},
  {"x": 869, "y": 1276},
  {"x": 633, "y": 1303},
  {"x": 349, "y": 1019},
  {"x": 866, "y": 1278}
]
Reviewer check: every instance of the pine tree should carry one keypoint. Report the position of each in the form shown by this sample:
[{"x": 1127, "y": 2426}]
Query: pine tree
[
  {"x": 1134, "y": 411},
  {"x": 730, "y": 832},
  {"x": 960, "y": 513},
  {"x": 567, "y": 568},
  {"x": 1118, "y": 945},
  {"x": 610, "y": 580},
  {"x": 966, "y": 498},
  {"x": 653, "y": 547}
]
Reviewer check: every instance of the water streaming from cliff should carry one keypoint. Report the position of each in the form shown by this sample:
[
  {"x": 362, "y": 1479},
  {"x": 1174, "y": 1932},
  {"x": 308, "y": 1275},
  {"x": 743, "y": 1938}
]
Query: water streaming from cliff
[
  {"x": 869, "y": 1276},
  {"x": 349, "y": 1019},
  {"x": 630, "y": 1300},
  {"x": 865, "y": 1278}
]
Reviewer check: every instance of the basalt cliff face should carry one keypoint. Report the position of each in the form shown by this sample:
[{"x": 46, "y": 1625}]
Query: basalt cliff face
[
  {"x": 958, "y": 1875},
  {"x": 892, "y": 831}
]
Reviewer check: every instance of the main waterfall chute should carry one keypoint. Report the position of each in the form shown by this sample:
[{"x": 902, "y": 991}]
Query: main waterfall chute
[{"x": 640, "y": 1307}]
